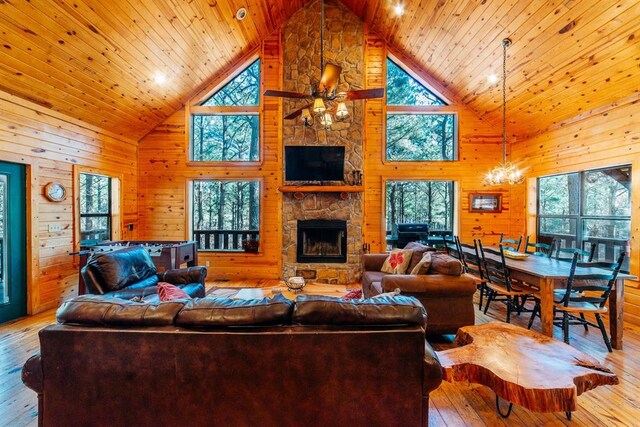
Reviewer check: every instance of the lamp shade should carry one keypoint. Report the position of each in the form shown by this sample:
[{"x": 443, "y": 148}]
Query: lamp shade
[
  {"x": 318, "y": 106},
  {"x": 342, "y": 112}
]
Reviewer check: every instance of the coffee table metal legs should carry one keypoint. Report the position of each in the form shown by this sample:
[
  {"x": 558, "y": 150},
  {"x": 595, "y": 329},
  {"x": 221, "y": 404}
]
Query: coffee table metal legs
[{"x": 510, "y": 408}]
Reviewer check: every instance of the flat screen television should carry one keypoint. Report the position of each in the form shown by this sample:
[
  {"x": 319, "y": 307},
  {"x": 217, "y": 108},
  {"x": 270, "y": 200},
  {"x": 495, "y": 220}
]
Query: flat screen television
[{"x": 314, "y": 163}]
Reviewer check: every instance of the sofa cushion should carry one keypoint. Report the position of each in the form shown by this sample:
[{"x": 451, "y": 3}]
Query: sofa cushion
[
  {"x": 442, "y": 263},
  {"x": 217, "y": 312},
  {"x": 109, "y": 311},
  {"x": 122, "y": 268},
  {"x": 423, "y": 266},
  {"x": 324, "y": 310},
  {"x": 169, "y": 292},
  {"x": 418, "y": 252},
  {"x": 397, "y": 261}
]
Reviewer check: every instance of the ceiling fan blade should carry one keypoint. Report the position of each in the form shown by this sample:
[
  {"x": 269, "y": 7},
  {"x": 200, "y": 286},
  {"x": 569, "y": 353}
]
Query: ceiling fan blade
[
  {"x": 365, "y": 94},
  {"x": 283, "y": 94},
  {"x": 330, "y": 77},
  {"x": 297, "y": 113}
]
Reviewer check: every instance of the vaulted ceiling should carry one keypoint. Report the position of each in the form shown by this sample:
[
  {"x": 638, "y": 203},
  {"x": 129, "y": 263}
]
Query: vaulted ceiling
[{"x": 96, "y": 60}]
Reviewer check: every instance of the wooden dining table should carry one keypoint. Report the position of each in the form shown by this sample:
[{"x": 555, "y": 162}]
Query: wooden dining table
[{"x": 548, "y": 274}]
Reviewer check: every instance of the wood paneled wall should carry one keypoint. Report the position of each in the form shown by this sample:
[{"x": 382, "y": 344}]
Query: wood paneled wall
[
  {"x": 165, "y": 173},
  {"x": 606, "y": 136},
  {"x": 480, "y": 150},
  {"x": 67, "y": 143}
]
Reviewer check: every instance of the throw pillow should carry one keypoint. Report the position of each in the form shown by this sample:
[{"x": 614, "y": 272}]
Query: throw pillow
[
  {"x": 168, "y": 292},
  {"x": 397, "y": 261},
  {"x": 393, "y": 293},
  {"x": 353, "y": 294},
  {"x": 423, "y": 266},
  {"x": 442, "y": 263},
  {"x": 418, "y": 251}
]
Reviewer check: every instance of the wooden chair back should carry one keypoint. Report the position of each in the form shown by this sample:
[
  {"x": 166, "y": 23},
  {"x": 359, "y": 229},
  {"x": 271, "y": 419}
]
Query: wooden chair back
[
  {"x": 510, "y": 244},
  {"x": 594, "y": 288},
  {"x": 566, "y": 254},
  {"x": 471, "y": 259},
  {"x": 496, "y": 269},
  {"x": 538, "y": 249}
]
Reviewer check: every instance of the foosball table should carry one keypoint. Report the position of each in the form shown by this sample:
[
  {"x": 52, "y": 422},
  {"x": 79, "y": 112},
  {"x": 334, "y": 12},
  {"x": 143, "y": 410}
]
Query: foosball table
[{"x": 166, "y": 255}]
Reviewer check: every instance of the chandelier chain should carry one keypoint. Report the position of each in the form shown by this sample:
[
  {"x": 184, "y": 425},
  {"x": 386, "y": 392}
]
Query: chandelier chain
[
  {"x": 505, "y": 43},
  {"x": 321, "y": 36}
]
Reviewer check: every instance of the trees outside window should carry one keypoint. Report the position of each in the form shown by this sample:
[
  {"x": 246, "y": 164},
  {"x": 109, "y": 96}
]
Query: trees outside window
[
  {"x": 429, "y": 202},
  {"x": 413, "y": 134},
  {"x": 225, "y": 213},
  {"x": 226, "y": 127},
  {"x": 587, "y": 207},
  {"x": 95, "y": 208}
]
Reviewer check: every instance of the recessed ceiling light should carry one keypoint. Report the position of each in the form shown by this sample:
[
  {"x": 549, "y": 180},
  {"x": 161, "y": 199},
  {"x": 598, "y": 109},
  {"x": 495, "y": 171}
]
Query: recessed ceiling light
[
  {"x": 159, "y": 78},
  {"x": 241, "y": 14},
  {"x": 399, "y": 9},
  {"x": 492, "y": 78}
]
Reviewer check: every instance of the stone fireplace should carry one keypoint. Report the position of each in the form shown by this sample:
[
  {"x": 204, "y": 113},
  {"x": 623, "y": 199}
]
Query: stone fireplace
[
  {"x": 344, "y": 46},
  {"x": 321, "y": 240}
]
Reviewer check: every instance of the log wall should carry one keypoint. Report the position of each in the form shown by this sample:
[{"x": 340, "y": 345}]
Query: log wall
[{"x": 68, "y": 145}]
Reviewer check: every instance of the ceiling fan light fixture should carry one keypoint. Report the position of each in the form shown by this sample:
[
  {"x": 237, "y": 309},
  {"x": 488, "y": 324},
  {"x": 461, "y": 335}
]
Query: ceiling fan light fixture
[
  {"x": 318, "y": 106},
  {"x": 307, "y": 118},
  {"x": 342, "y": 113},
  {"x": 325, "y": 120}
]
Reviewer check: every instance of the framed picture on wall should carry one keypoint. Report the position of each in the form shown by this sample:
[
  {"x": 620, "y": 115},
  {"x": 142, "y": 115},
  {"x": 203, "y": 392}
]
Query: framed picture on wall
[{"x": 485, "y": 202}]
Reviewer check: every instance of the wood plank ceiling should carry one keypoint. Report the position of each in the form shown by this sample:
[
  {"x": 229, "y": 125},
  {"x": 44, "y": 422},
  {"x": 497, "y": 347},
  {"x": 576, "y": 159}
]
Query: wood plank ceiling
[{"x": 96, "y": 60}]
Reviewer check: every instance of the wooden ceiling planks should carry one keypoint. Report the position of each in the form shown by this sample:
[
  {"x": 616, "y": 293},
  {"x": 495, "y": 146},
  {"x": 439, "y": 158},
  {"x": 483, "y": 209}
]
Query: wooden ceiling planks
[
  {"x": 566, "y": 57},
  {"x": 96, "y": 60}
]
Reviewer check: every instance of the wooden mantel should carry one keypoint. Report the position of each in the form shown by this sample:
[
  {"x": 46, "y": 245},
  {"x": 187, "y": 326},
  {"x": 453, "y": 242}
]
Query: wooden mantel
[{"x": 321, "y": 188}]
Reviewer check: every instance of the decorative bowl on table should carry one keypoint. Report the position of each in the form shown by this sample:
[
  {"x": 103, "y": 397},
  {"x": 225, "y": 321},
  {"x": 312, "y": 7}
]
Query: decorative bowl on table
[
  {"x": 515, "y": 255},
  {"x": 295, "y": 283}
]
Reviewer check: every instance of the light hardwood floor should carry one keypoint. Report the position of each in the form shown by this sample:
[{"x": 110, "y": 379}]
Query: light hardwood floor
[{"x": 451, "y": 405}]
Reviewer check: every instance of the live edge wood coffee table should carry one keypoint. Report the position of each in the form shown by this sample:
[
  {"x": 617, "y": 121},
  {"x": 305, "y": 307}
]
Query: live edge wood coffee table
[
  {"x": 523, "y": 367},
  {"x": 312, "y": 288}
]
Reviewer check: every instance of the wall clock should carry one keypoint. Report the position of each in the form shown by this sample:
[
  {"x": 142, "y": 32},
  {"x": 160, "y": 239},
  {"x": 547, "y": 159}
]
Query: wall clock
[{"x": 55, "y": 192}]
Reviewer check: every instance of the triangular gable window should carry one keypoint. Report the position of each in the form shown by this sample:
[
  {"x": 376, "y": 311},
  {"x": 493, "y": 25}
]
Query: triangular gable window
[
  {"x": 402, "y": 89},
  {"x": 244, "y": 89}
]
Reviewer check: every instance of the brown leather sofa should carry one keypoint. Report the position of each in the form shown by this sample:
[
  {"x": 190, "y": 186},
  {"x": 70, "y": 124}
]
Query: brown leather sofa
[
  {"x": 318, "y": 361},
  {"x": 130, "y": 272},
  {"x": 448, "y": 299}
]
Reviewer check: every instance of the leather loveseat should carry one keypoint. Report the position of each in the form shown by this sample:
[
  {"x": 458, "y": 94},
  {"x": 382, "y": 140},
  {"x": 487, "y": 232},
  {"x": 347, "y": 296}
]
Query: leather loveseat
[
  {"x": 448, "y": 298},
  {"x": 318, "y": 361},
  {"x": 130, "y": 272}
]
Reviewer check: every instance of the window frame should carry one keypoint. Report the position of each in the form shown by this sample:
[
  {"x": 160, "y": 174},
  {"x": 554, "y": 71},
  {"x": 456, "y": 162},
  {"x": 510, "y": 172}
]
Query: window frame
[
  {"x": 194, "y": 108},
  {"x": 454, "y": 211},
  {"x": 115, "y": 207},
  {"x": 448, "y": 109},
  {"x": 580, "y": 217},
  {"x": 189, "y": 211}
]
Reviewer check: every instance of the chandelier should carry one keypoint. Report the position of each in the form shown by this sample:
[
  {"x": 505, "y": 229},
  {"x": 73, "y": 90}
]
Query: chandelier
[{"x": 506, "y": 172}]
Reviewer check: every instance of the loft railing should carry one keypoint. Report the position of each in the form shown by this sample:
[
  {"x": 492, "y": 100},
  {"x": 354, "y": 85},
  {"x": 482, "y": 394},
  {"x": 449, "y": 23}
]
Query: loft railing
[{"x": 224, "y": 240}]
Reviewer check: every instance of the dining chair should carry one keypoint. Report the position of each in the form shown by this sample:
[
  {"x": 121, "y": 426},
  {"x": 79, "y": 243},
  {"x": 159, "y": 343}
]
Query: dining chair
[
  {"x": 499, "y": 286},
  {"x": 510, "y": 244},
  {"x": 473, "y": 266},
  {"x": 538, "y": 249},
  {"x": 584, "y": 294},
  {"x": 452, "y": 246},
  {"x": 566, "y": 254}
]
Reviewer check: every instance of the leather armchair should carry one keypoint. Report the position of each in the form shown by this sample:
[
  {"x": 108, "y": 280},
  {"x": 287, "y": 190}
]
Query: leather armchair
[{"x": 130, "y": 272}]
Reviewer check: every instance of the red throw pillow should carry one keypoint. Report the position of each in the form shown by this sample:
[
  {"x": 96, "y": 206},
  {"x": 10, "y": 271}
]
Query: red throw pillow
[
  {"x": 168, "y": 292},
  {"x": 353, "y": 294}
]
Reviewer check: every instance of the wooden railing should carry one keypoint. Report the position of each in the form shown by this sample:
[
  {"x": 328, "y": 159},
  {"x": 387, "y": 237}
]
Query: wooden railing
[
  {"x": 224, "y": 240},
  {"x": 608, "y": 249}
]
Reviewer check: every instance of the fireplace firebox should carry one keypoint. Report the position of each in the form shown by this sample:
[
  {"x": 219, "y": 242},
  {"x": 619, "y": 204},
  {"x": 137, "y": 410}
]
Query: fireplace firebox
[{"x": 322, "y": 240}]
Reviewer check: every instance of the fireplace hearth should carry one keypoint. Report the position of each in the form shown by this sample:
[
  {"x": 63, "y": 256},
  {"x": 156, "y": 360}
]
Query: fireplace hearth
[{"x": 322, "y": 241}]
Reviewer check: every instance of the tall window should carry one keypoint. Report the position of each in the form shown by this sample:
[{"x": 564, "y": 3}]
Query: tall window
[
  {"x": 225, "y": 213},
  {"x": 95, "y": 208},
  {"x": 419, "y": 202},
  {"x": 582, "y": 208},
  {"x": 412, "y": 133},
  {"x": 225, "y": 127}
]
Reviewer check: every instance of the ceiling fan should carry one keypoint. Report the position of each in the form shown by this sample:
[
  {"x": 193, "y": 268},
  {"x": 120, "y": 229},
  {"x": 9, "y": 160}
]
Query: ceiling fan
[{"x": 323, "y": 97}]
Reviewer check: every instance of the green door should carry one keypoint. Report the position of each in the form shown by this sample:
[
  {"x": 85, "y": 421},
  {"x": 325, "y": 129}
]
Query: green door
[{"x": 13, "y": 254}]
